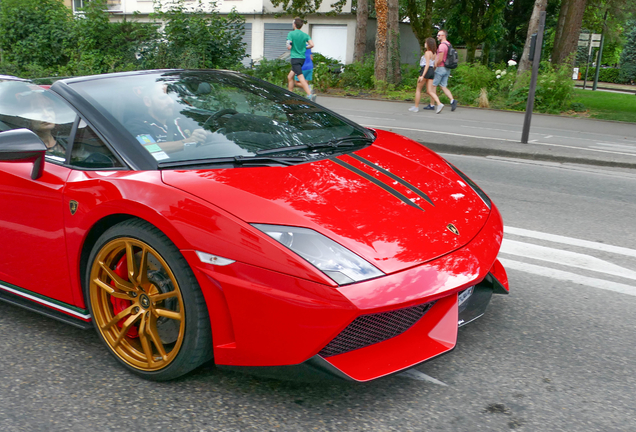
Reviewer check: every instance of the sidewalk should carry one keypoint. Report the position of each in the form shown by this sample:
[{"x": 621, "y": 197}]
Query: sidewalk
[{"x": 485, "y": 132}]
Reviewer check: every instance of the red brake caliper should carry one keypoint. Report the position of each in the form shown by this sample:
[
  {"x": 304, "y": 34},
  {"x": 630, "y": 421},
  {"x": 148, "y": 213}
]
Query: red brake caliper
[{"x": 119, "y": 305}]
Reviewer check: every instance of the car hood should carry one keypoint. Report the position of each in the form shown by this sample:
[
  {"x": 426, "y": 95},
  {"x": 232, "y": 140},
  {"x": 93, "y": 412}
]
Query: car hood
[{"x": 391, "y": 203}]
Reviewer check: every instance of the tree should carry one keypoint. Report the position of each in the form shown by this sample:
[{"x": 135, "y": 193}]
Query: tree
[
  {"x": 302, "y": 8},
  {"x": 566, "y": 36},
  {"x": 475, "y": 21},
  {"x": 420, "y": 15},
  {"x": 35, "y": 33},
  {"x": 381, "y": 53},
  {"x": 196, "y": 37},
  {"x": 105, "y": 46},
  {"x": 533, "y": 26},
  {"x": 628, "y": 56},
  {"x": 394, "y": 74},
  {"x": 362, "y": 16}
]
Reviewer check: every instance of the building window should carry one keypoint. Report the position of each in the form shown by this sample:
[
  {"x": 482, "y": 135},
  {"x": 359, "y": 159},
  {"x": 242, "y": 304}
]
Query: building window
[{"x": 112, "y": 5}]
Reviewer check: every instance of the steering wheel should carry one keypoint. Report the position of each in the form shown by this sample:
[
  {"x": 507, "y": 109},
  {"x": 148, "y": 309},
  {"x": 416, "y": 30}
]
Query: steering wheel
[{"x": 217, "y": 115}]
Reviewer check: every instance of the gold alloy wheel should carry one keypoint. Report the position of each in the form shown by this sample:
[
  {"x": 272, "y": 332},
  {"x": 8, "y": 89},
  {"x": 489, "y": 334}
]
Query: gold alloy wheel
[{"x": 140, "y": 315}]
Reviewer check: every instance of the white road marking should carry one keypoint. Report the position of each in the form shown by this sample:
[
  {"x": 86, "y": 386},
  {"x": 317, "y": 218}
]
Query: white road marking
[
  {"x": 569, "y": 277},
  {"x": 417, "y": 375},
  {"x": 570, "y": 241},
  {"x": 567, "y": 258},
  {"x": 547, "y": 136}
]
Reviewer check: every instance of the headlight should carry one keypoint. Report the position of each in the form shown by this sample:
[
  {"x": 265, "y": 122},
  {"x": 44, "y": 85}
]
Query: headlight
[
  {"x": 337, "y": 262},
  {"x": 473, "y": 185}
]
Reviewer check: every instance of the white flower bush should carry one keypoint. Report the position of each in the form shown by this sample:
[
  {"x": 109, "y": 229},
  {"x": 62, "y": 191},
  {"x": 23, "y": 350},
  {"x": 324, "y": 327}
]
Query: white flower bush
[
  {"x": 503, "y": 73},
  {"x": 512, "y": 63},
  {"x": 498, "y": 76}
]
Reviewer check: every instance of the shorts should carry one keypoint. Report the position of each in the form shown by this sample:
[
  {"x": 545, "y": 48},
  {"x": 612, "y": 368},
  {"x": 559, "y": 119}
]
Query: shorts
[
  {"x": 307, "y": 73},
  {"x": 441, "y": 76},
  {"x": 430, "y": 73},
  {"x": 297, "y": 65}
]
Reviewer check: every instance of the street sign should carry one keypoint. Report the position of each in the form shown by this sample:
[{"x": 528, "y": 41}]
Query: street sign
[
  {"x": 583, "y": 43},
  {"x": 584, "y": 36},
  {"x": 596, "y": 44},
  {"x": 596, "y": 37}
]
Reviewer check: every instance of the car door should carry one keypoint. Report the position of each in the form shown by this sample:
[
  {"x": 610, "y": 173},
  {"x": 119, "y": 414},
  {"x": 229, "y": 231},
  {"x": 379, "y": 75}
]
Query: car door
[{"x": 33, "y": 256}]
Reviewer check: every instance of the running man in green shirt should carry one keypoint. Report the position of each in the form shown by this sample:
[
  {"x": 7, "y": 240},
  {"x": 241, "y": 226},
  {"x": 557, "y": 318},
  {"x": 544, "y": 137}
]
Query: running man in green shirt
[{"x": 298, "y": 41}]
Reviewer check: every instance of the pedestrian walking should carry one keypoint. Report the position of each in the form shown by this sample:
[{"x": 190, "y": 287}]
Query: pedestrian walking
[
  {"x": 298, "y": 42},
  {"x": 427, "y": 73},
  {"x": 441, "y": 72},
  {"x": 308, "y": 72}
]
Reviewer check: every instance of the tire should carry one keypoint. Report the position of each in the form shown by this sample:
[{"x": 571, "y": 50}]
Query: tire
[{"x": 155, "y": 322}]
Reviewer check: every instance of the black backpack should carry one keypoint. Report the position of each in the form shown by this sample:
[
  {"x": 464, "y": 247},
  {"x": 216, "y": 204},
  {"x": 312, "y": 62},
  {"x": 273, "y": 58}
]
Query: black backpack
[{"x": 451, "y": 58}]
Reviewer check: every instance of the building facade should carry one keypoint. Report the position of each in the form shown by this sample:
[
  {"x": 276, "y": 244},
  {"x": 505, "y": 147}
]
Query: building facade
[{"x": 265, "y": 33}]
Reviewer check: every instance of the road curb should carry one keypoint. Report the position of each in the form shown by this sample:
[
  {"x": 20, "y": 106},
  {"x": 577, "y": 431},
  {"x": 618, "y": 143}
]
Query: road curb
[{"x": 481, "y": 151}]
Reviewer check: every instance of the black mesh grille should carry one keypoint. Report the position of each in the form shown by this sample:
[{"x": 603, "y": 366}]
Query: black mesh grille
[{"x": 370, "y": 329}]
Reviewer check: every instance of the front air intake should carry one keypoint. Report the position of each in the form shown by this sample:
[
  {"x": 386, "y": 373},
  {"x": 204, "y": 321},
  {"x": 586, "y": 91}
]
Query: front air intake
[{"x": 370, "y": 329}]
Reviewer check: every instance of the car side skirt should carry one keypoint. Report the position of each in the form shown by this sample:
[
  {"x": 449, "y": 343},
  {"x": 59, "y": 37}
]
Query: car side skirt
[{"x": 45, "y": 306}]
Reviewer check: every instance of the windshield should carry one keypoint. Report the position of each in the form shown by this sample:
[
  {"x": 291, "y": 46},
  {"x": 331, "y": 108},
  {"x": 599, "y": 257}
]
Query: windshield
[{"x": 203, "y": 115}]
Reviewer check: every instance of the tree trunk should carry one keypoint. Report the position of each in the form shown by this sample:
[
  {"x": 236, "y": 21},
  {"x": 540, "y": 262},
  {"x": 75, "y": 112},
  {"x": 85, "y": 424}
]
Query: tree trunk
[
  {"x": 533, "y": 27},
  {"x": 362, "y": 16},
  {"x": 471, "y": 47},
  {"x": 485, "y": 53},
  {"x": 421, "y": 26},
  {"x": 393, "y": 71},
  {"x": 566, "y": 40},
  {"x": 381, "y": 13}
]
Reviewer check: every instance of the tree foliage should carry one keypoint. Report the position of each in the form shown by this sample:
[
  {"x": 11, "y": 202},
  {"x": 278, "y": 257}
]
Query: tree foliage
[
  {"x": 43, "y": 37},
  {"x": 35, "y": 33},
  {"x": 196, "y": 37},
  {"x": 302, "y": 8},
  {"x": 628, "y": 57},
  {"x": 475, "y": 21}
]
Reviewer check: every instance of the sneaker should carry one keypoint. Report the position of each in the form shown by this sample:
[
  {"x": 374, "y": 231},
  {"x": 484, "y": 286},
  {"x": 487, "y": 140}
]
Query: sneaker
[
  {"x": 454, "y": 105},
  {"x": 313, "y": 97},
  {"x": 439, "y": 108},
  {"x": 414, "y": 109},
  {"x": 429, "y": 107}
]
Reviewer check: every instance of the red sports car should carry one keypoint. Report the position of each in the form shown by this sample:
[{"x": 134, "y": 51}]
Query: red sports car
[{"x": 191, "y": 215}]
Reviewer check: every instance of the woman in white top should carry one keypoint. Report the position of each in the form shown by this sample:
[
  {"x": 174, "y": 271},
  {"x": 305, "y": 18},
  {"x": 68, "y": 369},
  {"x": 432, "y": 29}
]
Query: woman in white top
[{"x": 427, "y": 72}]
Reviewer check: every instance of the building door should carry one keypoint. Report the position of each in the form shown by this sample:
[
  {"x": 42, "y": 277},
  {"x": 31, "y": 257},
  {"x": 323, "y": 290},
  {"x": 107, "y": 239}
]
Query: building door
[{"x": 330, "y": 41}]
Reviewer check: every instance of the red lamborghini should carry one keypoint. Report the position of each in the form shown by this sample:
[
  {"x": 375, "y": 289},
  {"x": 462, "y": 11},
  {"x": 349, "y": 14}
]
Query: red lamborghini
[{"x": 197, "y": 215}]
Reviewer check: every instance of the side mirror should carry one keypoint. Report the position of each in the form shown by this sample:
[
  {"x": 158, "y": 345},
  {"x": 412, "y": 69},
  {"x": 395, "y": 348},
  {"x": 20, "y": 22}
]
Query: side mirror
[{"x": 23, "y": 145}]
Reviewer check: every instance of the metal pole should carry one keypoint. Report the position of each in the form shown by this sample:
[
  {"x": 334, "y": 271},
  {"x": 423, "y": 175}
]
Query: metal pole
[
  {"x": 600, "y": 54},
  {"x": 587, "y": 65},
  {"x": 533, "y": 80}
]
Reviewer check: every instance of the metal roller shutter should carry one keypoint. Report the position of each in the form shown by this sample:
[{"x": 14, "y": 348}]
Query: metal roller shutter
[{"x": 275, "y": 39}]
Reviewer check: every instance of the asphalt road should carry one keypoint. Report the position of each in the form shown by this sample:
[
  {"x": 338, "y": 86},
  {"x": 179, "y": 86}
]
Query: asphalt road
[
  {"x": 491, "y": 132},
  {"x": 557, "y": 354}
]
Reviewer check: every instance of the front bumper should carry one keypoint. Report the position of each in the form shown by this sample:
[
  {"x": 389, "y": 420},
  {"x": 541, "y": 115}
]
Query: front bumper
[{"x": 265, "y": 322}]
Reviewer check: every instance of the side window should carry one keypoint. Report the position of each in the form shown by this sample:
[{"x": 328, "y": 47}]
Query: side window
[
  {"x": 26, "y": 105},
  {"x": 89, "y": 151}
]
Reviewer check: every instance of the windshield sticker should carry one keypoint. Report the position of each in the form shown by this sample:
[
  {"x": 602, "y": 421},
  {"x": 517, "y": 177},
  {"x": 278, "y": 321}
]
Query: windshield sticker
[
  {"x": 152, "y": 148},
  {"x": 145, "y": 139},
  {"x": 160, "y": 155}
]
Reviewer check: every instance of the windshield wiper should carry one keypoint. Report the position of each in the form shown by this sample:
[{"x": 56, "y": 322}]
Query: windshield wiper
[
  {"x": 331, "y": 144},
  {"x": 235, "y": 161}
]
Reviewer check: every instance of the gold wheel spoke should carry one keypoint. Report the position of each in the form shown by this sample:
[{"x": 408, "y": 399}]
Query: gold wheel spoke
[
  {"x": 130, "y": 261},
  {"x": 120, "y": 283},
  {"x": 160, "y": 297},
  {"x": 145, "y": 343},
  {"x": 142, "y": 273},
  {"x": 124, "y": 330},
  {"x": 168, "y": 314},
  {"x": 118, "y": 318},
  {"x": 152, "y": 330}
]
